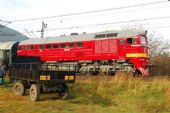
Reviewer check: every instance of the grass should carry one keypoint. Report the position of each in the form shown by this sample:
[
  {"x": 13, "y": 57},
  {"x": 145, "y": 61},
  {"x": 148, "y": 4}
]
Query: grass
[{"x": 97, "y": 94}]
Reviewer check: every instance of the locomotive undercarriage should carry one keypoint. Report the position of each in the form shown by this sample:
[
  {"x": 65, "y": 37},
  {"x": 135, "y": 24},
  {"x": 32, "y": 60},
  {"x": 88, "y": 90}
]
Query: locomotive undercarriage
[
  {"x": 103, "y": 67},
  {"x": 109, "y": 69},
  {"x": 99, "y": 69}
]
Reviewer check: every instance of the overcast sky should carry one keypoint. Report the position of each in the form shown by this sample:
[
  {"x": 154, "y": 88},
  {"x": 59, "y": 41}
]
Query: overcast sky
[{"x": 11, "y": 10}]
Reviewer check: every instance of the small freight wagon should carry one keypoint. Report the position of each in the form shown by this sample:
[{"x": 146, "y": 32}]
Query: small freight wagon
[{"x": 30, "y": 73}]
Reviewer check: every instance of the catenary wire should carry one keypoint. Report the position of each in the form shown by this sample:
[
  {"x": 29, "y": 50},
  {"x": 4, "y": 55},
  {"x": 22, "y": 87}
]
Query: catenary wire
[{"x": 94, "y": 11}]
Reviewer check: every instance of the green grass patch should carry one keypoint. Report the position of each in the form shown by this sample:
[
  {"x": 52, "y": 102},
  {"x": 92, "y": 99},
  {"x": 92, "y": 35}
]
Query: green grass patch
[{"x": 101, "y": 94}]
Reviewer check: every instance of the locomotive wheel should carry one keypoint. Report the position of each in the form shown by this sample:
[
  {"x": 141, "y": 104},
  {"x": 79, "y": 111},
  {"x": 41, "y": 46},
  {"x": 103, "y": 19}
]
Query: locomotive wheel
[
  {"x": 111, "y": 72},
  {"x": 64, "y": 93},
  {"x": 19, "y": 88},
  {"x": 34, "y": 92}
]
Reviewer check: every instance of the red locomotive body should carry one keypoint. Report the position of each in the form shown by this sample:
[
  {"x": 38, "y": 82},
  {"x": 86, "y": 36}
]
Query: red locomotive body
[{"x": 96, "y": 52}]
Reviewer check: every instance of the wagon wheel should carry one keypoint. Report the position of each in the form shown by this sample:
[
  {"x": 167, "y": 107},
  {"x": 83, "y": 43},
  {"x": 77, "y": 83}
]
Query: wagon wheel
[
  {"x": 64, "y": 93},
  {"x": 34, "y": 92},
  {"x": 19, "y": 88}
]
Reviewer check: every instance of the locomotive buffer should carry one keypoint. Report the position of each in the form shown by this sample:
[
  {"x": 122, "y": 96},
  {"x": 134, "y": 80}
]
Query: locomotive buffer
[{"x": 39, "y": 78}]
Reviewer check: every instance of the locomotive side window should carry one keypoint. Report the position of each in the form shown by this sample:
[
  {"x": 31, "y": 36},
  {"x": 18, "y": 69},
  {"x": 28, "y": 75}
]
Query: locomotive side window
[
  {"x": 79, "y": 44},
  {"x": 121, "y": 41},
  {"x": 48, "y": 46},
  {"x": 63, "y": 45},
  {"x": 55, "y": 46},
  {"x": 41, "y": 47},
  {"x": 71, "y": 45},
  {"x": 23, "y": 47},
  {"x": 131, "y": 40},
  {"x": 134, "y": 41},
  {"x": 27, "y": 47},
  {"x": 31, "y": 47}
]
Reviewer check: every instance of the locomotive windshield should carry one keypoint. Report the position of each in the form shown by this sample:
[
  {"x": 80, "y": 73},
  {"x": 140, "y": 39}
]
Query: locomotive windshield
[{"x": 143, "y": 40}]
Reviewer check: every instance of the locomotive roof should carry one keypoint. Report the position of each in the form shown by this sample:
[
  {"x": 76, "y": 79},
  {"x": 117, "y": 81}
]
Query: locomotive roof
[{"x": 81, "y": 37}]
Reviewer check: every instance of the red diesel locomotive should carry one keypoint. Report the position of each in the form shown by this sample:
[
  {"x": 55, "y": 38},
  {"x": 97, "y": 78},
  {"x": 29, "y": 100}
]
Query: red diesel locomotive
[{"x": 102, "y": 52}]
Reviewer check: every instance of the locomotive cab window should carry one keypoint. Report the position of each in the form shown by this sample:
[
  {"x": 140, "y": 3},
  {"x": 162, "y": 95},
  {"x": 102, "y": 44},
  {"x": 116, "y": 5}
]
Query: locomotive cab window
[
  {"x": 79, "y": 44},
  {"x": 131, "y": 40},
  {"x": 71, "y": 45},
  {"x": 48, "y": 46},
  {"x": 63, "y": 45},
  {"x": 143, "y": 40}
]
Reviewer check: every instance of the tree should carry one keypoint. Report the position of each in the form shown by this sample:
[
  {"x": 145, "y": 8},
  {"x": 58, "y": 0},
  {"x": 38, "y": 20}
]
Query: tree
[
  {"x": 157, "y": 45},
  {"x": 159, "y": 54}
]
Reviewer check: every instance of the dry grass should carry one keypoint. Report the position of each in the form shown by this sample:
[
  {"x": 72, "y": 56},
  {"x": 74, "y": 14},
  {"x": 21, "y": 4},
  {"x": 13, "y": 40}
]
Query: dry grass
[{"x": 97, "y": 94}]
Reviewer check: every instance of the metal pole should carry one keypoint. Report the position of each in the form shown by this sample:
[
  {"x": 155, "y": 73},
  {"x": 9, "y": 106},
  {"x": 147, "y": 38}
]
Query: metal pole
[{"x": 43, "y": 28}]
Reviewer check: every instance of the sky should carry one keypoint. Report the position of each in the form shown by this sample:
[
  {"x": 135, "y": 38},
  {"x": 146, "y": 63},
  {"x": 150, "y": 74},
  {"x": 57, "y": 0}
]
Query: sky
[{"x": 134, "y": 17}]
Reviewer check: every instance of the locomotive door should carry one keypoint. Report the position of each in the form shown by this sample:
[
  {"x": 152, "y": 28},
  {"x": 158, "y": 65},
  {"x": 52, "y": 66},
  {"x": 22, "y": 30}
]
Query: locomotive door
[{"x": 122, "y": 49}]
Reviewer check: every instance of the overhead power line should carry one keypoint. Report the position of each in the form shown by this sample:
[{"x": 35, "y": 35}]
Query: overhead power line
[
  {"x": 151, "y": 27},
  {"x": 89, "y": 12},
  {"x": 88, "y": 16},
  {"x": 102, "y": 24},
  {"x": 27, "y": 32}
]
